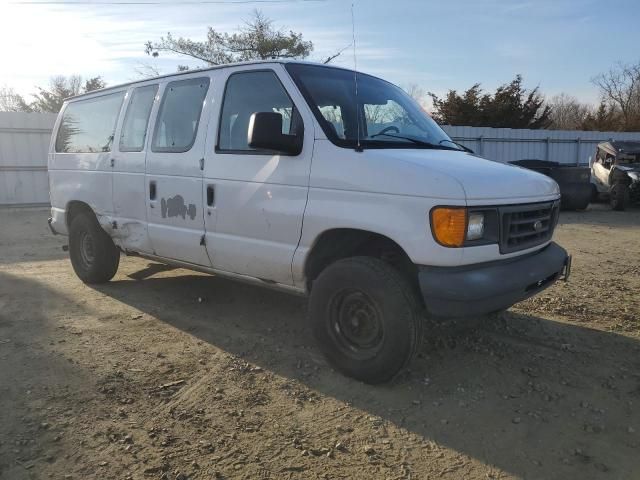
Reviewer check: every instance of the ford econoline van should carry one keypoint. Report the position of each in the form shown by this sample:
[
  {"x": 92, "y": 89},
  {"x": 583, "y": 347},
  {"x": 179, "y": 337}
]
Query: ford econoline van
[{"x": 308, "y": 178}]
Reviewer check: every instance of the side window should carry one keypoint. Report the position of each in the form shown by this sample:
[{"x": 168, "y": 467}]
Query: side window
[
  {"x": 179, "y": 115},
  {"x": 88, "y": 126},
  {"x": 247, "y": 93},
  {"x": 136, "y": 120}
]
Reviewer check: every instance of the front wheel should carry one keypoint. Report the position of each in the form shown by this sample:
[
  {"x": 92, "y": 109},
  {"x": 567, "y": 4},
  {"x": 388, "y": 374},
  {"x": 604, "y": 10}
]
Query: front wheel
[
  {"x": 94, "y": 256},
  {"x": 619, "y": 196},
  {"x": 366, "y": 318}
]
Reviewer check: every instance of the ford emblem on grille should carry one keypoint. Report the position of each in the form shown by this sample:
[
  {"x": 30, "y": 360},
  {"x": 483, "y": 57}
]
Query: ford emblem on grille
[{"x": 537, "y": 226}]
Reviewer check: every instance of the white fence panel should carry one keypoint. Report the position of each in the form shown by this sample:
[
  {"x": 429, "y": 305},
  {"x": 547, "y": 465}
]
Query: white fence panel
[
  {"x": 24, "y": 143},
  {"x": 507, "y": 144}
]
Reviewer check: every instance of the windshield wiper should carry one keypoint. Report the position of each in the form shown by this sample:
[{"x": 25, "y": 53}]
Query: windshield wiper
[
  {"x": 422, "y": 143},
  {"x": 462, "y": 147}
]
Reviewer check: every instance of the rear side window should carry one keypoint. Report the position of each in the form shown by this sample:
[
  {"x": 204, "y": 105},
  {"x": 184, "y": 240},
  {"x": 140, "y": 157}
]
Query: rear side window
[
  {"x": 245, "y": 94},
  {"x": 88, "y": 126},
  {"x": 134, "y": 128},
  {"x": 179, "y": 115}
]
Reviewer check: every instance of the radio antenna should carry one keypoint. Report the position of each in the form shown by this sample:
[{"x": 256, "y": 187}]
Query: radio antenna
[{"x": 355, "y": 74}]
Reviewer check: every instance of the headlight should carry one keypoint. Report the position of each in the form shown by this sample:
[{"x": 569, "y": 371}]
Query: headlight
[
  {"x": 475, "y": 226},
  {"x": 454, "y": 226}
]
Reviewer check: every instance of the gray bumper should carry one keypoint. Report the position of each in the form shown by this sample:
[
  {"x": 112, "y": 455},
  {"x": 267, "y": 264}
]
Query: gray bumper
[
  {"x": 489, "y": 287},
  {"x": 50, "y": 223}
]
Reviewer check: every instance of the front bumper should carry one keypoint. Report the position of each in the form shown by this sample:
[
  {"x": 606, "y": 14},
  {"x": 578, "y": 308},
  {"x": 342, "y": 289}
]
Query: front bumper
[
  {"x": 57, "y": 222},
  {"x": 485, "y": 288}
]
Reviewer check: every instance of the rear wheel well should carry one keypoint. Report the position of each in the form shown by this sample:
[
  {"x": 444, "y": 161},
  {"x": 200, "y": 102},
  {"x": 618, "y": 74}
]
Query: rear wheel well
[
  {"x": 340, "y": 243},
  {"x": 74, "y": 208}
]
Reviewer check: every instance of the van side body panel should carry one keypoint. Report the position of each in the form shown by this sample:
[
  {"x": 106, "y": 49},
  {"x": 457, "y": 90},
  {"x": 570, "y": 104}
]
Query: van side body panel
[
  {"x": 175, "y": 216},
  {"x": 83, "y": 177},
  {"x": 259, "y": 198},
  {"x": 129, "y": 193}
]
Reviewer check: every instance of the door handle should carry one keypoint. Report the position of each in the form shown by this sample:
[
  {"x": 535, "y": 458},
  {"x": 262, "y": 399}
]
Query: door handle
[
  {"x": 152, "y": 190},
  {"x": 210, "y": 195}
]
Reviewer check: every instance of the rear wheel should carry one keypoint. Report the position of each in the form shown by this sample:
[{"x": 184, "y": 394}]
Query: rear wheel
[
  {"x": 94, "y": 256},
  {"x": 619, "y": 196},
  {"x": 366, "y": 318}
]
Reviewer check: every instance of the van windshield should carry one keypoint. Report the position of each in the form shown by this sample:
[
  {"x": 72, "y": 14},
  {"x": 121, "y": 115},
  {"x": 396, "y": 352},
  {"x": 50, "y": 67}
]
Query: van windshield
[{"x": 379, "y": 115}]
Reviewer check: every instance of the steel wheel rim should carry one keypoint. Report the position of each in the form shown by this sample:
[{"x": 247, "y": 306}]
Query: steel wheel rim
[
  {"x": 87, "y": 250},
  {"x": 355, "y": 323}
]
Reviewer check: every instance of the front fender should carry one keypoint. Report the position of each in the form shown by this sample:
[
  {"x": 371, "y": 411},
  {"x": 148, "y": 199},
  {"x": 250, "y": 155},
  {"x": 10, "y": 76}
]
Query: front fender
[{"x": 402, "y": 218}]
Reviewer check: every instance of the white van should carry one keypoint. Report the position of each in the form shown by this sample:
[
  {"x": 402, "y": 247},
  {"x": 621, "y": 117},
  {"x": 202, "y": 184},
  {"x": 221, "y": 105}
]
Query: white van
[{"x": 311, "y": 179}]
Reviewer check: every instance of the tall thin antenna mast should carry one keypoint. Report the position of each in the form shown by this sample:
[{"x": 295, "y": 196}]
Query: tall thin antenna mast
[{"x": 355, "y": 73}]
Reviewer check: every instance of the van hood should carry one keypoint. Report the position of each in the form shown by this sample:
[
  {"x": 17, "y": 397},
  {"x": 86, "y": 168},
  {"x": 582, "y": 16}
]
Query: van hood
[{"x": 481, "y": 179}]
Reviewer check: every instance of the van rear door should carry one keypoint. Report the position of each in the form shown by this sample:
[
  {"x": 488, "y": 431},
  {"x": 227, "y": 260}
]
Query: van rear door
[{"x": 174, "y": 171}]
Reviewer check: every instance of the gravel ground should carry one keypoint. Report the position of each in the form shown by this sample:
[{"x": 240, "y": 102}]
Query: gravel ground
[{"x": 170, "y": 374}]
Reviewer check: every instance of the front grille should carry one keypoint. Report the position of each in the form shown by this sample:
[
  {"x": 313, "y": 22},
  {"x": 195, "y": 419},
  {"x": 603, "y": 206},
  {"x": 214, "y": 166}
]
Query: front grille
[{"x": 525, "y": 226}]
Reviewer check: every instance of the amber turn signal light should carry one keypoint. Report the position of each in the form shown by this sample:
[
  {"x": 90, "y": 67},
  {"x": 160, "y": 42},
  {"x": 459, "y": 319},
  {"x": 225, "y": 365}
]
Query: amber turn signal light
[{"x": 449, "y": 225}]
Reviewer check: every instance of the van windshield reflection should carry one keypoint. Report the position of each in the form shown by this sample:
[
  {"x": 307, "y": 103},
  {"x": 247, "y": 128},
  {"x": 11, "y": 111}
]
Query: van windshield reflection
[{"x": 379, "y": 115}]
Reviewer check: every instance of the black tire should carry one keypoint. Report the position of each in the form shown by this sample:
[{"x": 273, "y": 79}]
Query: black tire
[
  {"x": 619, "y": 197},
  {"x": 94, "y": 256},
  {"x": 575, "y": 203},
  {"x": 366, "y": 318}
]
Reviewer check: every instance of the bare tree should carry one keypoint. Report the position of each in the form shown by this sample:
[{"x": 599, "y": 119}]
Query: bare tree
[
  {"x": 620, "y": 86},
  {"x": 11, "y": 101},
  {"x": 418, "y": 93},
  {"x": 146, "y": 70},
  {"x": 568, "y": 113}
]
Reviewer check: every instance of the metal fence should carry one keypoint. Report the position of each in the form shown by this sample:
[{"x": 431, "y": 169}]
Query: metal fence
[
  {"x": 506, "y": 144},
  {"x": 24, "y": 142}
]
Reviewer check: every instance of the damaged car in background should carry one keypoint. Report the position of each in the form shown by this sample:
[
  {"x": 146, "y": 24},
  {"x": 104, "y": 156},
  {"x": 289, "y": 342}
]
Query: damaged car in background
[{"x": 615, "y": 173}]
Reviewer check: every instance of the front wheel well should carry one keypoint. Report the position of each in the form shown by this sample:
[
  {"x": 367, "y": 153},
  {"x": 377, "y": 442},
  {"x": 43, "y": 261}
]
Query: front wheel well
[
  {"x": 76, "y": 207},
  {"x": 339, "y": 243}
]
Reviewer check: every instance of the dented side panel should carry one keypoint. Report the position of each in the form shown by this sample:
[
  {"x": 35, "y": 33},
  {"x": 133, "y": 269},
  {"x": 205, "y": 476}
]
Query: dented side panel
[{"x": 129, "y": 205}]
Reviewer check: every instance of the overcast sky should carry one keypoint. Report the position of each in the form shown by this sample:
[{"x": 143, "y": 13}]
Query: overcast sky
[{"x": 556, "y": 44}]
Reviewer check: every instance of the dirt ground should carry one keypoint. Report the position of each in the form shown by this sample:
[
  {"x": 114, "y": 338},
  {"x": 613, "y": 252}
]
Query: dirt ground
[{"x": 170, "y": 374}]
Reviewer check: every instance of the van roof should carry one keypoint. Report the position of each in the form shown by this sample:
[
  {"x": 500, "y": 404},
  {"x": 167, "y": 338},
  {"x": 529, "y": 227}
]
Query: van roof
[{"x": 214, "y": 67}]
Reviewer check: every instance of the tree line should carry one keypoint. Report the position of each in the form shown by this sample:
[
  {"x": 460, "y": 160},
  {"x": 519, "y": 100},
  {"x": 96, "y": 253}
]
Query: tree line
[
  {"x": 511, "y": 105},
  {"x": 514, "y": 106}
]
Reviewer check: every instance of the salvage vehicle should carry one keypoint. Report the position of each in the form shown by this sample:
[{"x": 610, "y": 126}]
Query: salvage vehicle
[
  {"x": 285, "y": 175},
  {"x": 574, "y": 181},
  {"x": 615, "y": 172}
]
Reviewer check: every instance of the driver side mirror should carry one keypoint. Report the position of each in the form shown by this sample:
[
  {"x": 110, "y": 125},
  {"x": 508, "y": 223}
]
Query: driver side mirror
[{"x": 265, "y": 133}]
